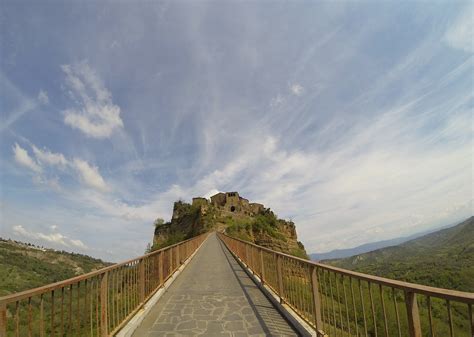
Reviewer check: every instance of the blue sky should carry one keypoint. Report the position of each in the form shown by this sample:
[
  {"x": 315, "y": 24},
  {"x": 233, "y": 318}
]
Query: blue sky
[{"x": 354, "y": 119}]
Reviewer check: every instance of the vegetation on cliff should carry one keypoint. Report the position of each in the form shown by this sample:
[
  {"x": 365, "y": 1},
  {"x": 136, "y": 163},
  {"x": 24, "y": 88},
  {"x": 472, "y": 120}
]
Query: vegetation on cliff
[
  {"x": 185, "y": 224},
  {"x": 268, "y": 231},
  {"x": 261, "y": 226}
]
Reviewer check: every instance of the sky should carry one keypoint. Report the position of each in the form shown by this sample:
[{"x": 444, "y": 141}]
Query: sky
[{"x": 351, "y": 118}]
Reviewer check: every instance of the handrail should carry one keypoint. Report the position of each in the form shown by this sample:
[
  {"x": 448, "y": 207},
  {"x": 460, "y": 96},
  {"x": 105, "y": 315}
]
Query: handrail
[
  {"x": 324, "y": 297},
  {"x": 460, "y": 296},
  {"x": 44, "y": 289},
  {"x": 101, "y": 301}
]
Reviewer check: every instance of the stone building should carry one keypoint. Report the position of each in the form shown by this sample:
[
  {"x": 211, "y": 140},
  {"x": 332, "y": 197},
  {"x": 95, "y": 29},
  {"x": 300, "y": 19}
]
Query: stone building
[
  {"x": 231, "y": 202},
  {"x": 199, "y": 201},
  {"x": 218, "y": 199},
  {"x": 256, "y": 208}
]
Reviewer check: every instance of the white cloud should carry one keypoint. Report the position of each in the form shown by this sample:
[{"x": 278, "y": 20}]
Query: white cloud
[
  {"x": 43, "y": 97},
  {"x": 49, "y": 158},
  {"x": 211, "y": 192},
  {"x": 90, "y": 175},
  {"x": 461, "y": 34},
  {"x": 22, "y": 157},
  {"x": 20, "y": 230},
  {"x": 296, "y": 89},
  {"x": 78, "y": 243},
  {"x": 54, "y": 237},
  {"x": 277, "y": 101},
  {"x": 96, "y": 115}
]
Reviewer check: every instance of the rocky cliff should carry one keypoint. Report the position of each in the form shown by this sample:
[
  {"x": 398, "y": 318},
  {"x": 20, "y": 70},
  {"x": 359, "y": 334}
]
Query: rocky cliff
[{"x": 233, "y": 215}]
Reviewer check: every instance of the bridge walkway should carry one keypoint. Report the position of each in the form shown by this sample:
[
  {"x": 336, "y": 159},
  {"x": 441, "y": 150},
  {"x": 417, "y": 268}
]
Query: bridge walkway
[{"x": 214, "y": 296}]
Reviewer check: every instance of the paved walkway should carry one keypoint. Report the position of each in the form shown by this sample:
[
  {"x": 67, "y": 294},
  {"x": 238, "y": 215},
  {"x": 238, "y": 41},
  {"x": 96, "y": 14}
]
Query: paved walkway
[{"x": 213, "y": 296}]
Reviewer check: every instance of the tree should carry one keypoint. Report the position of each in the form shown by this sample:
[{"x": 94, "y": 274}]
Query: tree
[{"x": 158, "y": 222}]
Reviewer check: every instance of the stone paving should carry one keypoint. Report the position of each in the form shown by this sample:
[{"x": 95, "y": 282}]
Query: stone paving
[{"x": 214, "y": 296}]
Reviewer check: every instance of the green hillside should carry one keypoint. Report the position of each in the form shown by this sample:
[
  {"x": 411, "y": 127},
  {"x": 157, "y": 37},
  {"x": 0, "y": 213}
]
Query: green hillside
[
  {"x": 441, "y": 259},
  {"x": 25, "y": 266}
]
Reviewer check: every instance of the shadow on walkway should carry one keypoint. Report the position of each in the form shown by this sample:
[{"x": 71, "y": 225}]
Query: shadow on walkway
[{"x": 266, "y": 313}]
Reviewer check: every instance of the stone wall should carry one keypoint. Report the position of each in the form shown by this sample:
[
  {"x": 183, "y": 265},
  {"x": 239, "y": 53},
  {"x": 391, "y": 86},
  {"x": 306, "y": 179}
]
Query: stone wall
[
  {"x": 256, "y": 208},
  {"x": 218, "y": 200}
]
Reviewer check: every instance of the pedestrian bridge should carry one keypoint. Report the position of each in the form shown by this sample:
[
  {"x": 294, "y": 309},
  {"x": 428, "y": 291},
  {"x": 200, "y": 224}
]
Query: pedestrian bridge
[{"x": 215, "y": 285}]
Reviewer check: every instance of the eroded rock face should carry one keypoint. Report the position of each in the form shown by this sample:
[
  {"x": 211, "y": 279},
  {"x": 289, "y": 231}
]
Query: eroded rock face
[{"x": 234, "y": 215}]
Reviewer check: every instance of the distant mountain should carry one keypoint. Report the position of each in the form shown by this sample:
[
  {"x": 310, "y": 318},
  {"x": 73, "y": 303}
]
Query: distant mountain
[
  {"x": 443, "y": 259},
  {"x": 368, "y": 247},
  {"x": 25, "y": 266}
]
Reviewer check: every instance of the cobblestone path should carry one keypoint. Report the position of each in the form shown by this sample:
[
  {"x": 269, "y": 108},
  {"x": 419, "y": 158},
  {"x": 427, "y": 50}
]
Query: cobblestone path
[{"x": 213, "y": 296}]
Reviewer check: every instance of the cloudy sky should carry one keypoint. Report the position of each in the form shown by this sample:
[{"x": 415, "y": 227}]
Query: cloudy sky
[{"x": 353, "y": 118}]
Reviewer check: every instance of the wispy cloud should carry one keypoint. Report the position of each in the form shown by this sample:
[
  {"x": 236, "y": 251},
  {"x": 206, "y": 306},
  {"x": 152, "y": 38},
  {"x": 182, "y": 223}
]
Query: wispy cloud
[
  {"x": 23, "y": 104},
  {"x": 461, "y": 34},
  {"x": 277, "y": 101},
  {"x": 54, "y": 237},
  {"x": 95, "y": 115},
  {"x": 43, "y": 97},
  {"x": 49, "y": 158},
  {"x": 90, "y": 175},
  {"x": 22, "y": 157}
]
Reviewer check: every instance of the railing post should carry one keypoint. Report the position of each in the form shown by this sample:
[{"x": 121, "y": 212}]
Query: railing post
[
  {"x": 280, "y": 277},
  {"x": 247, "y": 258},
  {"x": 3, "y": 320},
  {"x": 103, "y": 305},
  {"x": 178, "y": 253},
  {"x": 160, "y": 268},
  {"x": 316, "y": 302},
  {"x": 252, "y": 264},
  {"x": 141, "y": 271},
  {"x": 170, "y": 250},
  {"x": 414, "y": 326},
  {"x": 262, "y": 270}
]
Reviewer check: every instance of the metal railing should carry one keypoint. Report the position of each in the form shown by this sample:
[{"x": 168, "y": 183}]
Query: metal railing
[
  {"x": 338, "y": 302},
  {"x": 99, "y": 303}
]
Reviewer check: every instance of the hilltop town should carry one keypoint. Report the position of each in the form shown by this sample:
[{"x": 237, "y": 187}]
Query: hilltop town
[{"x": 234, "y": 215}]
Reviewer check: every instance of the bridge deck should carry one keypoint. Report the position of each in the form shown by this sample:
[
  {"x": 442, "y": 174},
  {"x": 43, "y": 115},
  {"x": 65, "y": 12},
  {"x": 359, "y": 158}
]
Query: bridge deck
[{"x": 214, "y": 296}]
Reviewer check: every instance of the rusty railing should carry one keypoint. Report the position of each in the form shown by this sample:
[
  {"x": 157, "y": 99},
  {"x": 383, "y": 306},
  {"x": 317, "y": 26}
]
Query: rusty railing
[
  {"x": 338, "y": 302},
  {"x": 99, "y": 303}
]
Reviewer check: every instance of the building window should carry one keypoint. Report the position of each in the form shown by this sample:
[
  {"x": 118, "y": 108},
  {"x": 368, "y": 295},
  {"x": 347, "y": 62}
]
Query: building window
[{"x": 232, "y": 208}]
